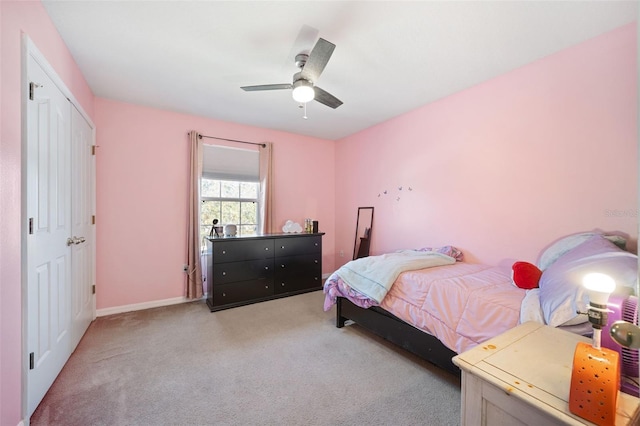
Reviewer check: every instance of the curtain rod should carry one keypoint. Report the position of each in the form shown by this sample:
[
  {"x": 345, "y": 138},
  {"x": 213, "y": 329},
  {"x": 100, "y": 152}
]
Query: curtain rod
[{"x": 232, "y": 140}]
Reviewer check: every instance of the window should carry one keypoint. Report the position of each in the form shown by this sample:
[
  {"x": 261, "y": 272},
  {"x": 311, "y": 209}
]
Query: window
[
  {"x": 231, "y": 202},
  {"x": 229, "y": 189}
]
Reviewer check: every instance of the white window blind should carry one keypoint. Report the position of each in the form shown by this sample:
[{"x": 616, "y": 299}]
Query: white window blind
[{"x": 221, "y": 162}]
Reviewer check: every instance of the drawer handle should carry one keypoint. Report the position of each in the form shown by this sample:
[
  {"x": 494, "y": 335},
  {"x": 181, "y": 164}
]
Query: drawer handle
[
  {"x": 266, "y": 248},
  {"x": 282, "y": 266},
  {"x": 224, "y": 273},
  {"x": 315, "y": 261},
  {"x": 224, "y": 252},
  {"x": 315, "y": 244},
  {"x": 282, "y": 247},
  {"x": 266, "y": 286},
  {"x": 224, "y": 294},
  {"x": 315, "y": 278},
  {"x": 282, "y": 284},
  {"x": 266, "y": 268}
]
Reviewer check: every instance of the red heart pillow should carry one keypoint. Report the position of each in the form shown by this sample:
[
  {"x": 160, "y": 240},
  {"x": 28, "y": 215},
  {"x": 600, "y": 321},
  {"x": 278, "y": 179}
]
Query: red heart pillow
[{"x": 526, "y": 275}]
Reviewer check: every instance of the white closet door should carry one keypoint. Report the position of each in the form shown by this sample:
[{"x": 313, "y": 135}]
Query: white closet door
[
  {"x": 59, "y": 199},
  {"x": 48, "y": 199},
  {"x": 83, "y": 249}
]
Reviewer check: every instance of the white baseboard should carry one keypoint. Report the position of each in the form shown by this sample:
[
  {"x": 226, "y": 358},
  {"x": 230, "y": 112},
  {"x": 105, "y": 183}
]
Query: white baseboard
[
  {"x": 153, "y": 304},
  {"x": 141, "y": 306}
]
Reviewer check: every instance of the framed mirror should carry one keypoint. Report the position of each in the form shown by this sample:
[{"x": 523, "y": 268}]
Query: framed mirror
[{"x": 364, "y": 225}]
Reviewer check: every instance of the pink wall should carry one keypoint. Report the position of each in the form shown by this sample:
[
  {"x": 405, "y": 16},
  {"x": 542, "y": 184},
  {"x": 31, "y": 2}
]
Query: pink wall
[
  {"x": 504, "y": 168},
  {"x": 142, "y": 173},
  {"x": 17, "y": 17}
]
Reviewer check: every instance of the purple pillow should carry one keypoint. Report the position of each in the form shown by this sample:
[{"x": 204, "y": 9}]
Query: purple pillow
[{"x": 561, "y": 289}]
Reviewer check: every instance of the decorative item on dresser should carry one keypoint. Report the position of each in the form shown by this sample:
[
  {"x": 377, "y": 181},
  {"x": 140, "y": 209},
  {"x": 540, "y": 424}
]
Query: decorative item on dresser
[{"x": 253, "y": 269}]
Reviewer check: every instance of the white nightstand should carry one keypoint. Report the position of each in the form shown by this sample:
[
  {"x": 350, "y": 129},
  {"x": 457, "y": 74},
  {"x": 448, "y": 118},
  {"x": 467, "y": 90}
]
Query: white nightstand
[{"x": 522, "y": 377}]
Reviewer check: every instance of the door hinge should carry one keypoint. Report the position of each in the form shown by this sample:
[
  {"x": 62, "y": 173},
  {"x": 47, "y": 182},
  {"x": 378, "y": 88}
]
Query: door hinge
[
  {"x": 30, "y": 225},
  {"x": 32, "y": 89},
  {"x": 31, "y": 361},
  {"x": 93, "y": 219},
  {"x": 93, "y": 150},
  {"x": 93, "y": 289}
]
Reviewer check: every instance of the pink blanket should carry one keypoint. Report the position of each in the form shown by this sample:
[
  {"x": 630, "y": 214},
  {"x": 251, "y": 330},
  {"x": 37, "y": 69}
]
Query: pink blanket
[{"x": 462, "y": 305}]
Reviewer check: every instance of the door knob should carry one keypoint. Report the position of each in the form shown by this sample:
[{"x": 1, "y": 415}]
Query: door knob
[{"x": 75, "y": 240}]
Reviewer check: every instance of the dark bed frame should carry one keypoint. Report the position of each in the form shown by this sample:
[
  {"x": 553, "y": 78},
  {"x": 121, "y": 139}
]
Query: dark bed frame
[{"x": 393, "y": 329}]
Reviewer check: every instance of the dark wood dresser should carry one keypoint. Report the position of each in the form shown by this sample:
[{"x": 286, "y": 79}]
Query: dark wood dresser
[{"x": 243, "y": 270}]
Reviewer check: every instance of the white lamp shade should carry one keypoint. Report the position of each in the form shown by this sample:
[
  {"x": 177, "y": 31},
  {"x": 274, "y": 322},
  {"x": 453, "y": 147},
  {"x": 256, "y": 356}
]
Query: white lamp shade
[{"x": 303, "y": 91}]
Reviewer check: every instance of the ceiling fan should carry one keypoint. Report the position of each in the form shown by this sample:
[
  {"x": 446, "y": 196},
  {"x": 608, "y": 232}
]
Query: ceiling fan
[{"x": 311, "y": 66}]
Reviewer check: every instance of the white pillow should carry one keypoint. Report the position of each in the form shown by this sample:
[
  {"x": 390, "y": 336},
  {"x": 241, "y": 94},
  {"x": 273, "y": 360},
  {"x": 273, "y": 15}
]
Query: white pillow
[
  {"x": 563, "y": 245},
  {"x": 530, "y": 309},
  {"x": 561, "y": 291}
]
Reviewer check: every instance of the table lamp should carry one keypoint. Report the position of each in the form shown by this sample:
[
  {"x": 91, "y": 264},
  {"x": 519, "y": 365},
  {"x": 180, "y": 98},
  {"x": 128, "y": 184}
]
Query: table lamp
[{"x": 595, "y": 377}]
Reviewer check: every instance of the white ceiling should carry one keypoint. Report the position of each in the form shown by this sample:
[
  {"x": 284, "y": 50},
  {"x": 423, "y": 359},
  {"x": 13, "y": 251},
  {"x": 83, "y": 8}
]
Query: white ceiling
[{"x": 390, "y": 57}]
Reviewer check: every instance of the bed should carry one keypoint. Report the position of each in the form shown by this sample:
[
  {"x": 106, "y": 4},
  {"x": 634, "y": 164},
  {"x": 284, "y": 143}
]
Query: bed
[{"x": 450, "y": 306}]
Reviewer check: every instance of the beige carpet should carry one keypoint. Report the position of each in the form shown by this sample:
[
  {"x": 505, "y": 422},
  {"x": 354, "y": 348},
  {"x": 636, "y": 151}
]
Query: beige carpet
[{"x": 281, "y": 362}]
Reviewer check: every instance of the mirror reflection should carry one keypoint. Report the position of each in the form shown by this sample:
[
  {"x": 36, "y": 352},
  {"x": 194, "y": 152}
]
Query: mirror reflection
[{"x": 364, "y": 224}]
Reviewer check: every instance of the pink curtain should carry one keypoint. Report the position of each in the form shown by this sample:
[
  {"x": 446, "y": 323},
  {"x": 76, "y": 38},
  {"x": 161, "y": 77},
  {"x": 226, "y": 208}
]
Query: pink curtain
[
  {"x": 266, "y": 188},
  {"x": 194, "y": 273}
]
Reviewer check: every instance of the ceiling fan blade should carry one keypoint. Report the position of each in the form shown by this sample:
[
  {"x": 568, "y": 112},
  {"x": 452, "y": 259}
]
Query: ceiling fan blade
[
  {"x": 318, "y": 58},
  {"x": 306, "y": 36},
  {"x": 326, "y": 98},
  {"x": 266, "y": 87}
]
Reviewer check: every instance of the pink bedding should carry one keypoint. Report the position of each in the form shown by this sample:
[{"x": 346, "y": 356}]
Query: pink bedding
[
  {"x": 334, "y": 287},
  {"x": 462, "y": 304}
]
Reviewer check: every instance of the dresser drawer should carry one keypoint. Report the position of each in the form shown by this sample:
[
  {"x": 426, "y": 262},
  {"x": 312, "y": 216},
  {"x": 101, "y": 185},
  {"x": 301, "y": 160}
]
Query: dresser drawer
[
  {"x": 298, "y": 245},
  {"x": 297, "y": 283},
  {"x": 295, "y": 273},
  {"x": 229, "y": 272},
  {"x": 239, "y": 250},
  {"x": 242, "y": 292},
  {"x": 296, "y": 265}
]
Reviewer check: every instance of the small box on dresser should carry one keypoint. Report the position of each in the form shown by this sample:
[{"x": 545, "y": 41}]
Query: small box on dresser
[{"x": 253, "y": 269}]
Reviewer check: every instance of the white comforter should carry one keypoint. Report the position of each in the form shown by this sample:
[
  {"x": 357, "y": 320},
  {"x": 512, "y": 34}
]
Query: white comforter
[{"x": 373, "y": 276}]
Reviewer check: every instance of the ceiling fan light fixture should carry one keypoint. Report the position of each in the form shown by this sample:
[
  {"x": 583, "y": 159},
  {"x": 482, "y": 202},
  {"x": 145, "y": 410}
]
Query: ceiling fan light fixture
[
  {"x": 303, "y": 91},
  {"x": 311, "y": 66}
]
